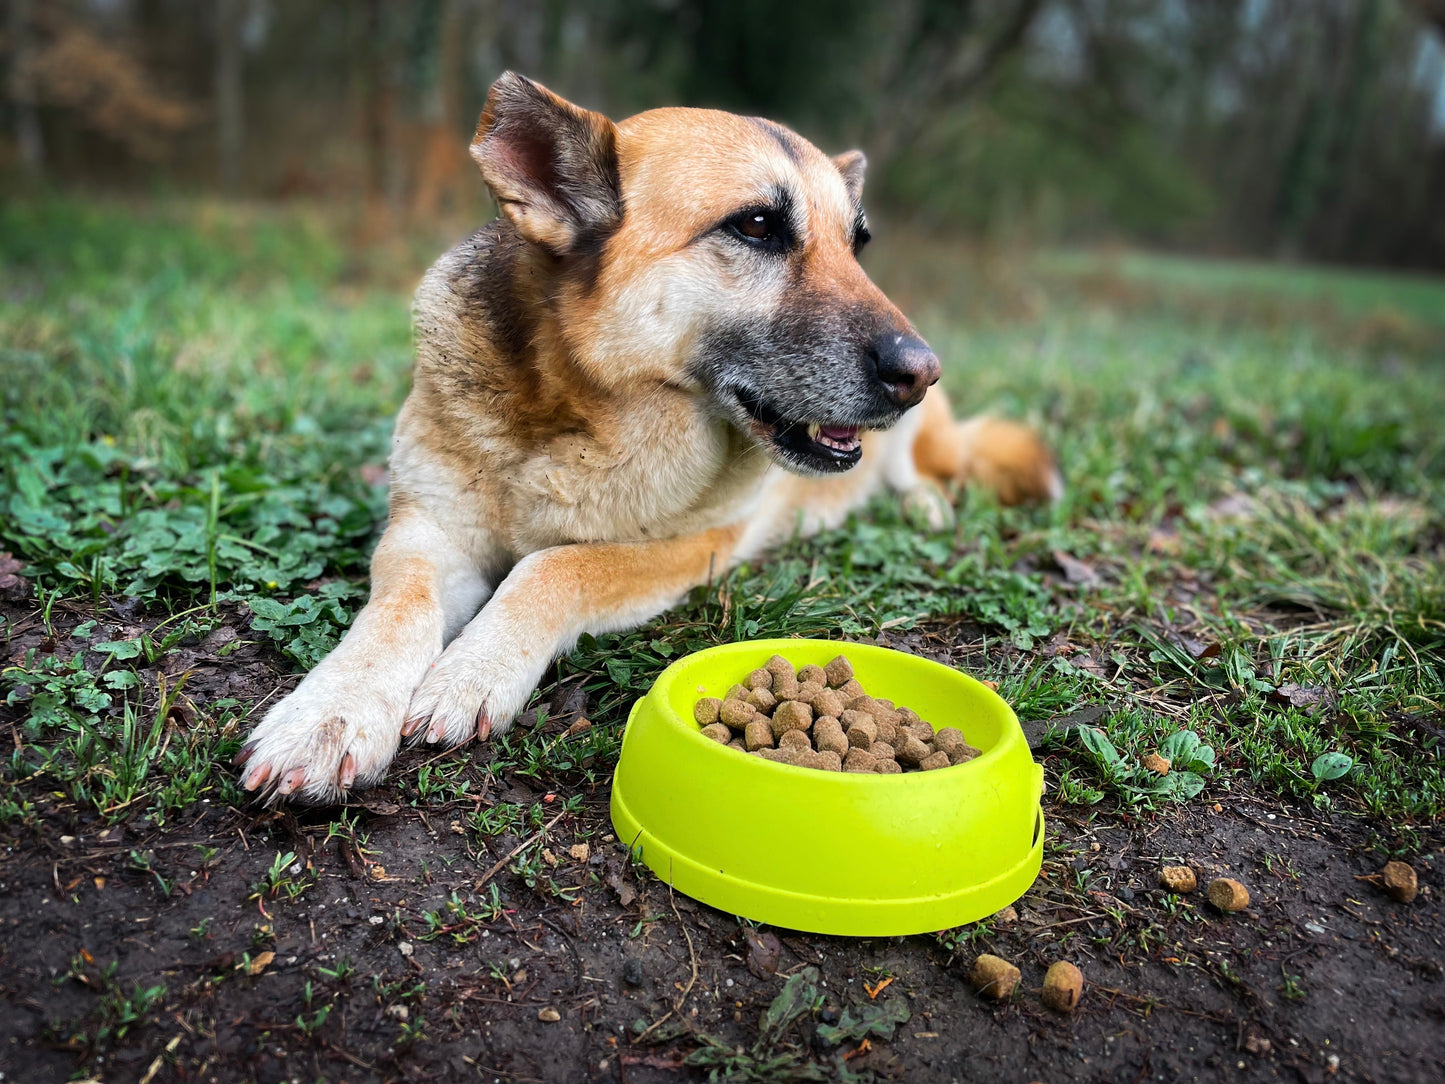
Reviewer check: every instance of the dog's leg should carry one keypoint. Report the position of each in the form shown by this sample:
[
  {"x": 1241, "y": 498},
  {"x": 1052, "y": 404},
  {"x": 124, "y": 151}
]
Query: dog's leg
[
  {"x": 342, "y": 725},
  {"x": 551, "y": 597},
  {"x": 1003, "y": 456}
]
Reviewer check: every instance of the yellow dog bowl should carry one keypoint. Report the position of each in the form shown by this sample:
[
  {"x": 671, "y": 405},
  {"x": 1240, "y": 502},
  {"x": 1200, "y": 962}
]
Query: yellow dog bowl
[{"x": 831, "y": 852}]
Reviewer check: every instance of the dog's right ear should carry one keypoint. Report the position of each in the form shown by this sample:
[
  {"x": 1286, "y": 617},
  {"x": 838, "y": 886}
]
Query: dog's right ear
[{"x": 551, "y": 165}]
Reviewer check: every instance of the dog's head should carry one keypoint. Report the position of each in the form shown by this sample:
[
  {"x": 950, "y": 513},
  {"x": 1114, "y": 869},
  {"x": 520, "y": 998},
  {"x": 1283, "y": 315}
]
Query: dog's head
[{"x": 712, "y": 253}]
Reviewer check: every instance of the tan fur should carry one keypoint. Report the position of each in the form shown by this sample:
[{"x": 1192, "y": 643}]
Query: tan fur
[{"x": 557, "y": 468}]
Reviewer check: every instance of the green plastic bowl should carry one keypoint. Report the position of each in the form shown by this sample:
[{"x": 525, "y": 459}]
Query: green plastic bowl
[{"x": 826, "y": 852}]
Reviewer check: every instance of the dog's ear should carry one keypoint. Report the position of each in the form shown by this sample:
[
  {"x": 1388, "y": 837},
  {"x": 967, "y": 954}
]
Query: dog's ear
[
  {"x": 852, "y": 164},
  {"x": 551, "y": 165}
]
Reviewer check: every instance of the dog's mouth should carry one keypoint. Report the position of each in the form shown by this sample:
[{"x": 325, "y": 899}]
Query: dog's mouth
[{"x": 808, "y": 445}]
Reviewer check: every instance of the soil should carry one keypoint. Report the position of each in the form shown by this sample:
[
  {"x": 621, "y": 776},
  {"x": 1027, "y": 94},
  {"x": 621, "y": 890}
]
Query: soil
[{"x": 1321, "y": 977}]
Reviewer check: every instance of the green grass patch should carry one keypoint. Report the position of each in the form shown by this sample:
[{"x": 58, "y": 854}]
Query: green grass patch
[{"x": 1250, "y": 549}]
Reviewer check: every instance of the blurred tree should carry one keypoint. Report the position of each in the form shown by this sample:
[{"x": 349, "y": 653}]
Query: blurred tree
[
  {"x": 1314, "y": 127},
  {"x": 230, "y": 117}
]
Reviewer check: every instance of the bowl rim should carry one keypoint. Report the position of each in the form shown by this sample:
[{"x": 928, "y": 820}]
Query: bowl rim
[{"x": 661, "y": 689}]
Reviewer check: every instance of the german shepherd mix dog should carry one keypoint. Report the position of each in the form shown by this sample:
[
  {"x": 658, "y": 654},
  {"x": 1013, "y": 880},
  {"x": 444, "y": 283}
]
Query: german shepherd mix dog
[{"x": 660, "y": 359}]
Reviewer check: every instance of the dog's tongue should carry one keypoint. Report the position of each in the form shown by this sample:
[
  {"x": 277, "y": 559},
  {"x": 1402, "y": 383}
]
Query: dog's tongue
[{"x": 838, "y": 432}]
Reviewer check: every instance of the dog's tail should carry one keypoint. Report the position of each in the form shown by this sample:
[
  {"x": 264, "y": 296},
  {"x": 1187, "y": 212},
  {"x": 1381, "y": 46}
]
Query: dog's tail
[{"x": 1005, "y": 457}]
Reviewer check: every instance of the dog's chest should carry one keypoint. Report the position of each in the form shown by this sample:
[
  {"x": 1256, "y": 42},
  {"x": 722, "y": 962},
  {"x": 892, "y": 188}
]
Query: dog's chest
[{"x": 653, "y": 474}]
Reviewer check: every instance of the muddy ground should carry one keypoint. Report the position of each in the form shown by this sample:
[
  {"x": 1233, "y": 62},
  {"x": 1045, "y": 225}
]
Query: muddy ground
[{"x": 567, "y": 964}]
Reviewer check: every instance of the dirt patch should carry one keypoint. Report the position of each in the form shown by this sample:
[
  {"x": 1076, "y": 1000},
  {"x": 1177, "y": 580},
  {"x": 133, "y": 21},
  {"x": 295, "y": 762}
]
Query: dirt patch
[{"x": 400, "y": 942}]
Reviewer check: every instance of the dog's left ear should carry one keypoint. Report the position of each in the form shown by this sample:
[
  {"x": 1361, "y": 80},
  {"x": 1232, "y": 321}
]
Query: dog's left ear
[
  {"x": 852, "y": 164},
  {"x": 551, "y": 165}
]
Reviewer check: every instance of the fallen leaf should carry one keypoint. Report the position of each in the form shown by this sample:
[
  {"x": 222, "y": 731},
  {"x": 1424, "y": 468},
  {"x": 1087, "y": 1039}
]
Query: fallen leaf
[
  {"x": 1164, "y": 543},
  {"x": 1076, "y": 571},
  {"x": 764, "y": 951},
  {"x": 1312, "y": 697},
  {"x": 260, "y": 962},
  {"x": 12, "y": 584},
  {"x": 616, "y": 879}
]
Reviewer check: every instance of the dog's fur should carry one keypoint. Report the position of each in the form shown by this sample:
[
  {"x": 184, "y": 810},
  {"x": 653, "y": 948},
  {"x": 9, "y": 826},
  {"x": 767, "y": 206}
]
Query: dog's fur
[{"x": 611, "y": 403}]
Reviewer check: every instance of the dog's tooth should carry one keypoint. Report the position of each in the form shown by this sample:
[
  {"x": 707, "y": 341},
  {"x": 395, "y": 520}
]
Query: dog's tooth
[{"x": 814, "y": 428}]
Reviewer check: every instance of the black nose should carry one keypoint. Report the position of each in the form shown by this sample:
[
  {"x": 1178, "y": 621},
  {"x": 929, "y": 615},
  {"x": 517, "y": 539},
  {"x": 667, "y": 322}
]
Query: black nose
[{"x": 904, "y": 366}]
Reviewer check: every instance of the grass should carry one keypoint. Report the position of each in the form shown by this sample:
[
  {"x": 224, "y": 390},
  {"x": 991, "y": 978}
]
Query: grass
[{"x": 1250, "y": 549}]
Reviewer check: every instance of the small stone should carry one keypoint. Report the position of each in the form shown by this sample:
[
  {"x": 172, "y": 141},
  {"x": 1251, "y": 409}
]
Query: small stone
[
  {"x": 1178, "y": 879},
  {"x": 1156, "y": 764},
  {"x": 1228, "y": 895},
  {"x": 859, "y": 761},
  {"x": 934, "y": 761},
  {"x": 760, "y": 679},
  {"x": 549, "y": 1016},
  {"x": 737, "y": 714},
  {"x": 791, "y": 715},
  {"x": 838, "y": 672},
  {"x": 828, "y": 735},
  {"x": 812, "y": 674},
  {"x": 762, "y": 699},
  {"x": 1063, "y": 983},
  {"x": 759, "y": 734},
  {"x": 1399, "y": 881},
  {"x": 705, "y": 711},
  {"x": 632, "y": 971},
  {"x": 718, "y": 732},
  {"x": 994, "y": 977}
]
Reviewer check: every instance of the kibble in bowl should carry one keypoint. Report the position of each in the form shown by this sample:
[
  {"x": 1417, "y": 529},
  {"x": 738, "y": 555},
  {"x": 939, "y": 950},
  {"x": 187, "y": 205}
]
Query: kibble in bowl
[
  {"x": 942, "y": 849},
  {"x": 822, "y": 717}
]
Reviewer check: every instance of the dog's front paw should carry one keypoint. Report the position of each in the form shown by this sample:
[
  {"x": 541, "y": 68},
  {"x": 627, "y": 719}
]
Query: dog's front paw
[
  {"x": 473, "y": 689},
  {"x": 338, "y": 730}
]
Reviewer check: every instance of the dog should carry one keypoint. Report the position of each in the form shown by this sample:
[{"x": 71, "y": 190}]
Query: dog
[{"x": 661, "y": 358}]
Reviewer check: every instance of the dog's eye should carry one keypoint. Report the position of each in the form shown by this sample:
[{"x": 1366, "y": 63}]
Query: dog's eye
[
  {"x": 861, "y": 237},
  {"x": 761, "y": 228}
]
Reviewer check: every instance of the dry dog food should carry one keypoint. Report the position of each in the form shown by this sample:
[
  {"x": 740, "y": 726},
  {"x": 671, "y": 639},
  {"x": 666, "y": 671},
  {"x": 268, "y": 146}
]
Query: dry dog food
[
  {"x": 1227, "y": 894},
  {"x": 821, "y": 717},
  {"x": 994, "y": 977},
  {"x": 1062, "y": 986}
]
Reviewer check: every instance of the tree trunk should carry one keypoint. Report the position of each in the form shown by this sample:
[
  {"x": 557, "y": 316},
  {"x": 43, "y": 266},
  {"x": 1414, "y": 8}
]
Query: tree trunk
[
  {"x": 22, "y": 90},
  {"x": 230, "y": 115}
]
